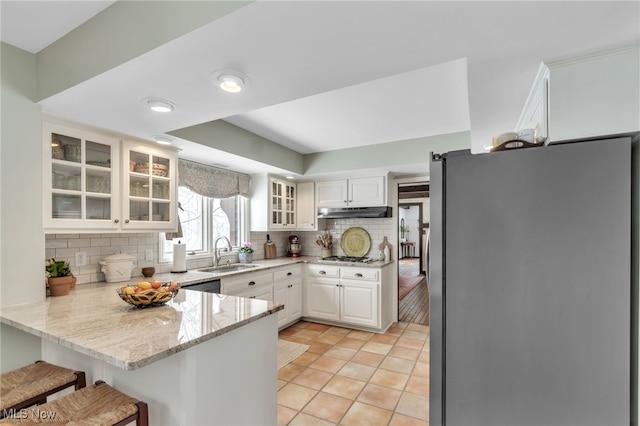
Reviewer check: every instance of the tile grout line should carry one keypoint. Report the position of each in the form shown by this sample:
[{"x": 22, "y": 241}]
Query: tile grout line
[{"x": 402, "y": 391}]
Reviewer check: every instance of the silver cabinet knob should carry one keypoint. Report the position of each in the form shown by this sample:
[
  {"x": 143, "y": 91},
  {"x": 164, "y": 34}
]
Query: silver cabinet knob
[
  {"x": 116, "y": 221},
  {"x": 126, "y": 221}
]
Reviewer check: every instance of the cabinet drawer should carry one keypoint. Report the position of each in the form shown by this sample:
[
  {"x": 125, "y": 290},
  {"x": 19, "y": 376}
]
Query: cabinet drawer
[
  {"x": 326, "y": 271},
  {"x": 363, "y": 274},
  {"x": 289, "y": 272},
  {"x": 245, "y": 282}
]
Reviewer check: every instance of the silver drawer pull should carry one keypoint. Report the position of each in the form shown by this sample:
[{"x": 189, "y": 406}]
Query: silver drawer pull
[
  {"x": 289, "y": 274},
  {"x": 359, "y": 275},
  {"x": 322, "y": 272},
  {"x": 252, "y": 283}
]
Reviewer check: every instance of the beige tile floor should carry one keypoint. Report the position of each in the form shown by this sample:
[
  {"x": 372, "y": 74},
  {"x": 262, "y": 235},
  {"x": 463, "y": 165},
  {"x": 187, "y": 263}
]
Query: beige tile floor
[{"x": 350, "y": 377}]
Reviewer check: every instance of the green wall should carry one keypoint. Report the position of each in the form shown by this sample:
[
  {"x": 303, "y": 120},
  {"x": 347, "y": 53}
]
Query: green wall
[{"x": 21, "y": 232}]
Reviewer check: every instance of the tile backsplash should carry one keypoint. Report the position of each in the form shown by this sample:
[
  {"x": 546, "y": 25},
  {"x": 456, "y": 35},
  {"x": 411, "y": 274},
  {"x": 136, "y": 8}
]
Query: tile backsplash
[{"x": 98, "y": 246}]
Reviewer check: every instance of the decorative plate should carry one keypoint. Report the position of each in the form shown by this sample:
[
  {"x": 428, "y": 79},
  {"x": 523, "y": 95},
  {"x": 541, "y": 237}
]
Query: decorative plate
[{"x": 355, "y": 242}]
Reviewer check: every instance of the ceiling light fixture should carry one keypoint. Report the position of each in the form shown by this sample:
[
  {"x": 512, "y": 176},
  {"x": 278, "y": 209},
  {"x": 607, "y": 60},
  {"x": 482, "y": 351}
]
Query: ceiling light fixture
[
  {"x": 159, "y": 105},
  {"x": 163, "y": 140},
  {"x": 230, "y": 81}
]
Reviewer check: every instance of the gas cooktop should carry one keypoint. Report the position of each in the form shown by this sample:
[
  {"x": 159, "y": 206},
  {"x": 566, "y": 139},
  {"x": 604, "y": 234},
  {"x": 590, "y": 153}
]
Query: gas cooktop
[{"x": 349, "y": 259}]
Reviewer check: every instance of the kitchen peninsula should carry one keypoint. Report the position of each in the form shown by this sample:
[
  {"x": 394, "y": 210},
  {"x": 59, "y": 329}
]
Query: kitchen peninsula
[{"x": 201, "y": 359}]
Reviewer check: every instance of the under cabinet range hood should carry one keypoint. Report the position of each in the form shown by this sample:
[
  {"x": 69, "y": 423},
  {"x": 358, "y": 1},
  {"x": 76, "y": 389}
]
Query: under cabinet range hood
[{"x": 347, "y": 212}]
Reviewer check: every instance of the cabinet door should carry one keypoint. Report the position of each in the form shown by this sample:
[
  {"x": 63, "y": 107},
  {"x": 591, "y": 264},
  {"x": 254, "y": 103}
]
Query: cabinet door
[
  {"x": 262, "y": 293},
  {"x": 294, "y": 298},
  {"x": 283, "y": 205},
  {"x": 280, "y": 295},
  {"x": 331, "y": 193},
  {"x": 359, "y": 303},
  {"x": 288, "y": 293},
  {"x": 81, "y": 171},
  {"x": 323, "y": 298},
  {"x": 306, "y": 204},
  {"x": 367, "y": 192},
  {"x": 149, "y": 188}
]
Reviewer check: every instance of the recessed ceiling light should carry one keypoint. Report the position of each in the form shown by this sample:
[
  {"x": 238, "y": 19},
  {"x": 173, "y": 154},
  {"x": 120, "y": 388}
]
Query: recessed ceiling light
[
  {"x": 230, "y": 81},
  {"x": 163, "y": 140},
  {"x": 289, "y": 177},
  {"x": 159, "y": 105}
]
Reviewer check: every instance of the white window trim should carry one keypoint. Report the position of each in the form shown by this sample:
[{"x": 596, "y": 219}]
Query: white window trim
[{"x": 208, "y": 252}]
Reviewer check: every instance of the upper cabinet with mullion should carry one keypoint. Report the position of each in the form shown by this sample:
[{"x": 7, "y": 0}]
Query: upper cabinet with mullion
[
  {"x": 273, "y": 203},
  {"x": 81, "y": 179},
  {"x": 96, "y": 182}
]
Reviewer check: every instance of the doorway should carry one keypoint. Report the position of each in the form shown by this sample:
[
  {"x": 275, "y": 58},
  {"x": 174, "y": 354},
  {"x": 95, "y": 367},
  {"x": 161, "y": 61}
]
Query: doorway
[{"x": 413, "y": 227}]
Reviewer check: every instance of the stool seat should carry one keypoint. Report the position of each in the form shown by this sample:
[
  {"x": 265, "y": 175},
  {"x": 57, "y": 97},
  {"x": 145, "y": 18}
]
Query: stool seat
[
  {"x": 94, "y": 405},
  {"x": 32, "y": 384}
]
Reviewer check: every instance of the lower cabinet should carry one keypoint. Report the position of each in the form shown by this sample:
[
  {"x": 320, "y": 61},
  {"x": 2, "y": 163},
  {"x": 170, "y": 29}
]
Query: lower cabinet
[
  {"x": 344, "y": 294},
  {"x": 251, "y": 285},
  {"x": 287, "y": 289}
]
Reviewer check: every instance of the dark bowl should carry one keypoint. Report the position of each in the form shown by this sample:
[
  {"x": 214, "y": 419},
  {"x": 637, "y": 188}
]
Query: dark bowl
[{"x": 148, "y": 272}]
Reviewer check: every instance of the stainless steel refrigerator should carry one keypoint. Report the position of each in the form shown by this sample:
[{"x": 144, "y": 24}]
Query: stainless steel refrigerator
[{"x": 530, "y": 286}]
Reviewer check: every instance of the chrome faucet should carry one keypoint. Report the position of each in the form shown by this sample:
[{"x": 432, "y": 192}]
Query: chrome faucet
[{"x": 216, "y": 256}]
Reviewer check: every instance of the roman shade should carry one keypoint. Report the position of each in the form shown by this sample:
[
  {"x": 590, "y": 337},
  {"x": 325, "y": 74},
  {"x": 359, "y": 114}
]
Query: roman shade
[{"x": 211, "y": 181}]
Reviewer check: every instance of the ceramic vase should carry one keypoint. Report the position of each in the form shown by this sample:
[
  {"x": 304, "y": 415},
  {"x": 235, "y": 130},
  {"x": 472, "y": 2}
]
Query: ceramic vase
[
  {"x": 245, "y": 257},
  {"x": 59, "y": 286}
]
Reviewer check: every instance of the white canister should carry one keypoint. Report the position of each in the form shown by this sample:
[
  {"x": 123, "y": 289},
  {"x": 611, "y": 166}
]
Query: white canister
[{"x": 117, "y": 267}]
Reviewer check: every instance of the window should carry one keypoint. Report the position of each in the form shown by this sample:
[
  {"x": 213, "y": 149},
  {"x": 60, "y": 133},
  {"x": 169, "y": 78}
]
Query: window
[{"x": 204, "y": 219}]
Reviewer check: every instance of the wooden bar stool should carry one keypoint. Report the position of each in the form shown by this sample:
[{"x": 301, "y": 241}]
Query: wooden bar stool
[
  {"x": 96, "y": 405},
  {"x": 32, "y": 384}
]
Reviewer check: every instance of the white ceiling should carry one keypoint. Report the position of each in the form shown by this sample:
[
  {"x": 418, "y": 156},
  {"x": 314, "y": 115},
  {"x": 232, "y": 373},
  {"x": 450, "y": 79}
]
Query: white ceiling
[{"x": 332, "y": 75}]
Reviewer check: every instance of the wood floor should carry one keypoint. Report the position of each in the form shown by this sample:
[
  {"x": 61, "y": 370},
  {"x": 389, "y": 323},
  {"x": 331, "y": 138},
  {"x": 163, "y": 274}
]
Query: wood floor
[{"x": 414, "y": 307}]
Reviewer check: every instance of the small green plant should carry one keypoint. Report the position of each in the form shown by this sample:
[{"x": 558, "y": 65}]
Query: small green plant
[{"x": 57, "y": 268}]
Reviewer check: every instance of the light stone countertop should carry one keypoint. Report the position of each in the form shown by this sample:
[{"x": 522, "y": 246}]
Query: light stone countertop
[
  {"x": 94, "y": 321},
  {"x": 195, "y": 276}
]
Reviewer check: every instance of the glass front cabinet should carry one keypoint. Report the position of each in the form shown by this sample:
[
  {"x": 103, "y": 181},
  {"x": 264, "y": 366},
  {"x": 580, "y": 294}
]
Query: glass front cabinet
[
  {"x": 149, "y": 188},
  {"x": 283, "y": 205},
  {"x": 96, "y": 182}
]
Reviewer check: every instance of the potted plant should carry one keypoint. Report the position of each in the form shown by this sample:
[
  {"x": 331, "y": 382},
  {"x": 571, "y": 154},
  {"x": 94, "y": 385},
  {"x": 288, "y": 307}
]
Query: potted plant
[
  {"x": 59, "y": 277},
  {"x": 245, "y": 253}
]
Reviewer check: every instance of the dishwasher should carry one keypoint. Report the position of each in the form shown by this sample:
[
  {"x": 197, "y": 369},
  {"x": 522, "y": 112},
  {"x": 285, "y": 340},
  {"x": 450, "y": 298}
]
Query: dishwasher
[{"x": 207, "y": 287}]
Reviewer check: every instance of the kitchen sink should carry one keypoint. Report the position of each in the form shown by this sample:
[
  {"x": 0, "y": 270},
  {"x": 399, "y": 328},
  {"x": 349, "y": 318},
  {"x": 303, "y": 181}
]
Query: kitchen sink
[{"x": 230, "y": 268}]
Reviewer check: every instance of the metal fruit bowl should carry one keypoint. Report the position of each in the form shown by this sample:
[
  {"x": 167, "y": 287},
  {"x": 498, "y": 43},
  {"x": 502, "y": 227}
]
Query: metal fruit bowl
[{"x": 143, "y": 298}]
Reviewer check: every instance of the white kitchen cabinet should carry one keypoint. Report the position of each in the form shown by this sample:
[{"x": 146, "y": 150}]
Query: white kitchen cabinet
[
  {"x": 586, "y": 96},
  {"x": 273, "y": 203},
  {"x": 306, "y": 207},
  {"x": 253, "y": 285},
  {"x": 87, "y": 183},
  {"x": 355, "y": 192},
  {"x": 149, "y": 188},
  {"x": 535, "y": 112},
  {"x": 323, "y": 299},
  {"x": 287, "y": 289},
  {"x": 81, "y": 179},
  {"x": 343, "y": 295},
  {"x": 359, "y": 303}
]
